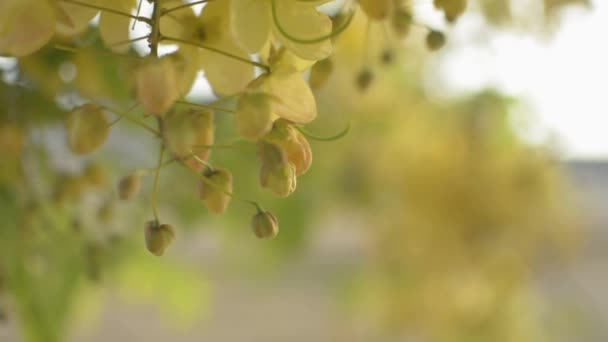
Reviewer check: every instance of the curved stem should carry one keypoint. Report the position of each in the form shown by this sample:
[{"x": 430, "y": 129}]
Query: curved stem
[
  {"x": 333, "y": 33},
  {"x": 155, "y": 187},
  {"x": 224, "y": 53},
  {"x": 109, "y": 10},
  {"x": 309, "y": 135},
  {"x": 205, "y": 106}
]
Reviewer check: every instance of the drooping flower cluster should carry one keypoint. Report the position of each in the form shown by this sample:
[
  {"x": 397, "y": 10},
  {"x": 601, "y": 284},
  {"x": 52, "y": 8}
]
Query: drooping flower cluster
[{"x": 254, "y": 51}]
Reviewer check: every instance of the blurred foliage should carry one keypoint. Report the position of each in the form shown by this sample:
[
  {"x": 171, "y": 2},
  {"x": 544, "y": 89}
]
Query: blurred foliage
[{"x": 457, "y": 209}]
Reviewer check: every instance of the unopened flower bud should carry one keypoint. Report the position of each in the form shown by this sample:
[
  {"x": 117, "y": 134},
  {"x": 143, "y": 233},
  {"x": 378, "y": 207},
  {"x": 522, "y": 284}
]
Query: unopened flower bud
[
  {"x": 401, "y": 22},
  {"x": 253, "y": 115},
  {"x": 158, "y": 237},
  {"x": 87, "y": 128},
  {"x": 156, "y": 84},
  {"x": 364, "y": 79},
  {"x": 265, "y": 225},
  {"x": 451, "y": 8},
  {"x": 215, "y": 190},
  {"x": 280, "y": 179},
  {"x": 129, "y": 186},
  {"x": 293, "y": 143},
  {"x": 190, "y": 132},
  {"x": 435, "y": 40}
]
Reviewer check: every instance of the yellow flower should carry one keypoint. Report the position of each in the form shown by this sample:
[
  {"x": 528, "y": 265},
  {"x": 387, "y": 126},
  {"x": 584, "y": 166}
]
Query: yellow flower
[
  {"x": 206, "y": 41},
  {"x": 254, "y": 23}
]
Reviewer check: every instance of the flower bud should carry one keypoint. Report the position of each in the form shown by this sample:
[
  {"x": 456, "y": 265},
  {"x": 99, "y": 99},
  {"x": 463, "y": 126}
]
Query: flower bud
[
  {"x": 189, "y": 132},
  {"x": 265, "y": 225},
  {"x": 364, "y": 79},
  {"x": 451, "y": 8},
  {"x": 129, "y": 186},
  {"x": 158, "y": 237},
  {"x": 87, "y": 128},
  {"x": 156, "y": 85},
  {"x": 253, "y": 115},
  {"x": 435, "y": 40},
  {"x": 295, "y": 146},
  {"x": 276, "y": 173},
  {"x": 375, "y": 9},
  {"x": 320, "y": 73},
  {"x": 214, "y": 190},
  {"x": 401, "y": 22},
  {"x": 280, "y": 179}
]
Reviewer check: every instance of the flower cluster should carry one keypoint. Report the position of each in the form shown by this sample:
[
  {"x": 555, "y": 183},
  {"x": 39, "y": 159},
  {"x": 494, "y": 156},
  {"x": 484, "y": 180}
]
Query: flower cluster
[{"x": 253, "y": 52}]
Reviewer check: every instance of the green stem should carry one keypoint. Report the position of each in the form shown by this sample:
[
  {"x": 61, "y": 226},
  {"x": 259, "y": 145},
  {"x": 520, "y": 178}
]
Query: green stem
[
  {"x": 224, "y": 53},
  {"x": 109, "y": 10},
  {"x": 129, "y": 41},
  {"x": 205, "y": 106},
  {"x": 155, "y": 187},
  {"x": 333, "y": 33},
  {"x": 135, "y": 121},
  {"x": 309, "y": 135}
]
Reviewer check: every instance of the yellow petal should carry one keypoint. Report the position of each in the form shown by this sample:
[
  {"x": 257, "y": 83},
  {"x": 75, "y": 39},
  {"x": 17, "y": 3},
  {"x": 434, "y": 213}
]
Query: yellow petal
[
  {"x": 292, "y": 98},
  {"x": 303, "y": 22},
  {"x": 227, "y": 75},
  {"x": 376, "y": 9},
  {"x": 87, "y": 128},
  {"x": 78, "y": 16},
  {"x": 25, "y": 25},
  {"x": 115, "y": 28},
  {"x": 250, "y": 23}
]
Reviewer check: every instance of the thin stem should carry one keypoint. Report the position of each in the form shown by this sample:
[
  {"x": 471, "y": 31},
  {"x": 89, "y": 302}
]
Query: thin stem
[
  {"x": 226, "y": 146},
  {"x": 224, "y": 53},
  {"x": 155, "y": 36},
  {"x": 135, "y": 121},
  {"x": 337, "y": 136},
  {"x": 202, "y": 162},
  {"x": 137, "y": 14},
  {"x": 109, "y": 10},
  {"x": 129, "y": 41},
  {"x": 205, "y": 106},
  {"x": 169, "y": 10},
  {"x": 333, "y": 33},
  {"x": 155, "y": 186}
]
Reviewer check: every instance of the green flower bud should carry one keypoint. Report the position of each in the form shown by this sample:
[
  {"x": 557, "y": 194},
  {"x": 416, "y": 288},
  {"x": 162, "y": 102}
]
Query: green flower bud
[
  {"x": 265, "y": 225},
  {"x": 451, "y": 8},
  {"x": 293, "y": 143},
  {"x": 158, "y": 237},
  {"x": 401, "y": 22},
  {"x": 364, "y": 79},
  {"x": 435, "y": 40},
  {"x": 87, "y": 127},
  {"x": 187, "y": 132},
  {"x": 280, "y": 179},
  {"x": 216, "y": 196},
  {"x": 253, "y": 115},
  {"x": 129, "y": 186}
]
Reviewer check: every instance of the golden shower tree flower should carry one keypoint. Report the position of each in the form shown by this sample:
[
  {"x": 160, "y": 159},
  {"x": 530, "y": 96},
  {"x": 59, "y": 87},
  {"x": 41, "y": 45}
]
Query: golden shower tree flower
[
  {"x": 206, "y": 42},
  {"x": 292, "y": 23}
]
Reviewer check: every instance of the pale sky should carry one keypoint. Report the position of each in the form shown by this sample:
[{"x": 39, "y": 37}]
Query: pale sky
[{"x": 562, "y": 79}]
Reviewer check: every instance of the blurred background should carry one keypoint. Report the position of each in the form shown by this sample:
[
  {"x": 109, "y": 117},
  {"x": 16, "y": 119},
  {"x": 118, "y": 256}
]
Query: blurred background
[{"x": 467, "y": 203}]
